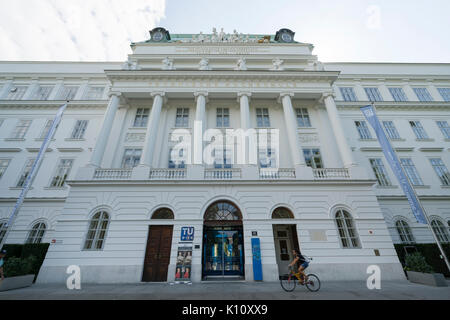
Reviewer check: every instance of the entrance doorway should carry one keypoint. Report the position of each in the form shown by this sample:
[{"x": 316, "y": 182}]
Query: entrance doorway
[
  {"x": 223, "y": 242},
  {"x": 157, "y": 254}
]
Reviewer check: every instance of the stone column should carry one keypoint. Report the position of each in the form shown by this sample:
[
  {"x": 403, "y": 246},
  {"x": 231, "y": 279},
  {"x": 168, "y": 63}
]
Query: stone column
[
  {"x": 199, "y": 127},
  {"x": 152, "y": 129},
  {"x": 102, "y": 138},
  {"x": 336, "y": 125},
  {"x": 244, "y": 100}
]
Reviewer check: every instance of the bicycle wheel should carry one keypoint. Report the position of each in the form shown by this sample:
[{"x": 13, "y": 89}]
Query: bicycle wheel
[
  {"x": 288, "y": 282},
  {"x": 313, "y": 283}
]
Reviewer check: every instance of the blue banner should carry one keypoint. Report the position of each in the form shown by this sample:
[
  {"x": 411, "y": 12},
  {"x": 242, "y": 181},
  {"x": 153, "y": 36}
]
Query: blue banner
[
  {"x": 391, "y": 157},
  {"x": 256, "y": 253}
]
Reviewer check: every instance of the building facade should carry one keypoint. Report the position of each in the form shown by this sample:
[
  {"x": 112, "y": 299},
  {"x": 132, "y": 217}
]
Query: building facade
[{"x": 117, "y": 197}]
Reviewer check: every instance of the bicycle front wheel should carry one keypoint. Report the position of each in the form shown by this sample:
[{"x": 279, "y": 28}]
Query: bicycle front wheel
[
  {"x": 288, "y": 282},
  {"x": 313, "y": 283}
]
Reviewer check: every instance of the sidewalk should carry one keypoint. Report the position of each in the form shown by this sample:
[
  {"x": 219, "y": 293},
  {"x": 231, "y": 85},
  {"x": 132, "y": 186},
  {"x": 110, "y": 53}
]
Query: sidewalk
[{"x": 348, "y": 290}]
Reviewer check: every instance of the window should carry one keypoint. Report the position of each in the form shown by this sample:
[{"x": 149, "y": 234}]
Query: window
[
  {"x": 373, "y": 94},
  {"x": 313, "y": 158},
  {"x": 380, "y": 172},
  {"x": 445, "y": 93},
  {"x": 348, "y": 94},
  {"x": 222, "y": 117},
  {"x": 398, "y": 94},
  {"x": 141, "y": 118},
  {"x": 411, "y": 171},
  {"x": 282, "y": 213},
  {"x": 25, "y": 173},
  {"x": 391, "y": 130},
  {"x": 441, "y": 170},
  {"x": 267, "y": 158},
  {"x": 21, "y": 129},
  {"x": 3, "y": 230},
  {"x": 419, "y": 131},
  {"x": 222, "y": 158},
  {"x": 222, "y": 210},
  {"x": 96, "y": 234},
  {"x": 61, "y": 174},
  {"x": 303, "y": 118},
  {"x": 404, "y": 231},
  {"x": 67, "y": 93},
  {"x": 94, "y": 93},
  {"x": 36, "y": 233},
  {"x": 445, "y": 129},
  {"x": 131, "y": 158},
  {"x": 48, "y": 125},
  {"x": 423, "y": 94},
  {"x": 262, "y": 118},
  {"x": 182, "y": 119},
  {"x": 346, "y": 229},
  {"x": 4, "y": 163},
  {"x": 79, "y": 129},
  {"x": 177, "y": 160},
  {"x": 41, "y": 93},
  {"x": 440, "y": 230},
  {"x": 163, "y": 213},
  {"x": 363, "y": 130},
  {"x": 16, "y": 93}
]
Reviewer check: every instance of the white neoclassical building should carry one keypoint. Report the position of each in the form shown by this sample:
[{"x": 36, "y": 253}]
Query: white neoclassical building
[{"x": 111, "y": 197}]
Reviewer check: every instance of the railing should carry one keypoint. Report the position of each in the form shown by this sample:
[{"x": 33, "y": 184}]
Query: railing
[
  {"x": 330, "y": 174},
  {"x": 167, "y": 174},
  {"x": 273, "y": 173},
  {"x": 222, "y": 174},
  {"x": 112, "y": 174}
]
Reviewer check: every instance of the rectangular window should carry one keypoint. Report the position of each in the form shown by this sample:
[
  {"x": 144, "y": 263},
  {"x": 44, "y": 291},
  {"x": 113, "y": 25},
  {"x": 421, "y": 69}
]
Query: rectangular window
[
  {"x": 380, "y": 172},
  {"x": 445, "y": 93},
  {"x": 348, "y": 94},
  {"x": 222, "y": 117},
  {"x": 67, "y": 93},
  {"x": 363, "y": 130},
  {"x": 4, "y": 163},
  {"x": 21, "y": 129},
  {"x": 391, "y": 130},
  {"x": 79, "y": 129},
  {"x": 441, "y": 170},
  {"x": 262, "y": 118},
  {"x": 141, "y": 118},
  {"x": 373, "y": 94},
  {"x": 42, "y": 93},
  {"x": 398, "y": 94},
  {"x": 445, "y": 129},
  {"x": 303, "y": 118},
  {"x": 94, "y": 93},
  {"x": 411, "y": 171},
  {"x": 182, "y": 119},
  {"x": 177, "y": 160},
  {"x": 267, "y": 158},
  {"x": 16, "y": 93},
  {"x": 419, "y": 131},
  {"x": 25, "y": 173},
  {"x": 222, "y": 158},
  {"x": 47, "y": 127},
  {"x": 61, "y": 174},
  {"x": 131, "y": 158},
  {"x": 423, "y": 94},
  {"x": 313, "y": 158}
]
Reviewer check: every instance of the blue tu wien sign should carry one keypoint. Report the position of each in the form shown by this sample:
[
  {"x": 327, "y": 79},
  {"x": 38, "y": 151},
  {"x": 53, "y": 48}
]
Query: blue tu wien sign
[{"x": 187, "y": 234}]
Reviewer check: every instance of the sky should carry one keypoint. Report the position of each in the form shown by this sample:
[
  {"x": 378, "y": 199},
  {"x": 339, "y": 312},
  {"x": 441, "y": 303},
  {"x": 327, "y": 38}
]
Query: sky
[{"x": 340, "y": 30}]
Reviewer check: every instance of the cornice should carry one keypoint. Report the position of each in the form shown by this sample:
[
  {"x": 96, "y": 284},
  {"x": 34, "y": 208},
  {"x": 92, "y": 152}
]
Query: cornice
[
  {"x": 383, "y": 77},
  {"x": 5, "y": 104},
  {"x": 409, "y": 105}
]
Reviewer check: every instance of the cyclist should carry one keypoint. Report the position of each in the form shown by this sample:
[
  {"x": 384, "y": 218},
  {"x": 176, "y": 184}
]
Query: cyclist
[{"x": 301, "y": 262}]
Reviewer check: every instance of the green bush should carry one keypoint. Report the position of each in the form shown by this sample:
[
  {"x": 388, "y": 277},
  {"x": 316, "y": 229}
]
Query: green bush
[
  {"x": 23, "y": 251},
  {"x": 14, "y": 267},
  {"x": 14, "y": 250},
  {"x": 416, "y": 262}
]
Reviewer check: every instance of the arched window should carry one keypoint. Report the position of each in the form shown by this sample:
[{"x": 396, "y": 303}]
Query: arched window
[
  {"x": 282, "y": 213},
  {"x": 163, "y": 213},
  {"x": 3, "y": 229},
  {"x": 222, "y": 210},
  {"x": 440, "y": 230},
  {"x": 97, "y": 231},
  {"x": 346, "y": 229},
  {"x": 404, "y": 231},
  {"x": 36, "y": 233}
]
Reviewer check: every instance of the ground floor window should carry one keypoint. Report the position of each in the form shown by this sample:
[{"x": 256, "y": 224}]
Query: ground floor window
[{"x": 36, "y": 233}]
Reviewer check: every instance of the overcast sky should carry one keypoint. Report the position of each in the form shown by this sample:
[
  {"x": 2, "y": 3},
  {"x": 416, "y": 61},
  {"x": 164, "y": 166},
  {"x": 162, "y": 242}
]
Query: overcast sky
[{"x": 344, "y": 30}]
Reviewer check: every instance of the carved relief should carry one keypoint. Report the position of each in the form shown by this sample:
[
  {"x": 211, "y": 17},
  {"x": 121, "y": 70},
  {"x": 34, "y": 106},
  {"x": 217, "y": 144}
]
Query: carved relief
[
  {"x": 309, "y": 138},
  {"x": 135, "y": 137}
]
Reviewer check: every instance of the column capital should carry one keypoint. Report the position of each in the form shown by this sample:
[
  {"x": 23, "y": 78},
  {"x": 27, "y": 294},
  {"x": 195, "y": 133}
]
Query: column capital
[
  {"x": 284, "y": 94},
  {"x": 114, "y": 93},
  {"x": 201, "y": 93},
  {"x": 158, "y": 93},
  {"x": 242, "y": 94},
  {"x": 326, "y": 95}
]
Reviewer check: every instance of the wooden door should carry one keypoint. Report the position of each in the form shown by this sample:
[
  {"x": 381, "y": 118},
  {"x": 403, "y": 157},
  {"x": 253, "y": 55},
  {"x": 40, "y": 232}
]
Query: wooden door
[{"x": 157, "y": 254}]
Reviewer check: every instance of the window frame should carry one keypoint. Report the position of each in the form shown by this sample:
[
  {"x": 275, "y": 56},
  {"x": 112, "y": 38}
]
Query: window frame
[
  {"x": 373, "y": 94},
  {"x": 14, "y": 133},
  {"x": 411, "y": 171},
  {"x": 440, "y": 229},
  {"x": 445, "y": 129},
  {"x": 398, "y": 94},
  {"x": 312, "y": 157},
  {"x": 423, "y": 94},
  {"x": 404, "y": 231},
  {"x": 141, "y": 118},
  {"x": 348, "y": 238},
  {"x": 418, "y": 129},
  {"x": 445, "y": 179},
  {"x": 36, "y": 233},
  {"x": 363, "y": 129},
  {"x": 95, "y": 239},
  {"x": 4, "y": 168},
  {"x": 77, "y": 129},
  {"x": 132, "y": 156},
  {"x": 223, "y": 117},
  {"x": 28, "y": 163},
  {"x": 391, "y": 131},
  {"x": 182, "y": 117},
  {"x": 384, "y": 173},
  {"x": 264, "y": 115},
  {"x": 348, "y": 94},
  {"x": 57, "y": 177}
]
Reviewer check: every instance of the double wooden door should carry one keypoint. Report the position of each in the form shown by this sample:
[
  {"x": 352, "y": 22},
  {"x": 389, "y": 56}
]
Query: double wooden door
[{"x": 157, "y": 254}]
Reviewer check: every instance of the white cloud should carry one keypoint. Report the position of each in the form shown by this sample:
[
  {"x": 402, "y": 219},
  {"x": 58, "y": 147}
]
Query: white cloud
[{"x": 93, "y": 30}]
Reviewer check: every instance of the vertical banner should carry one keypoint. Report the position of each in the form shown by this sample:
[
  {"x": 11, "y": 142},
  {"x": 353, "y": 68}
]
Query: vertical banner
[
  {"x": 256, "y": 253},
  {"x": 184, "y": 264},
  {"x": 394, "y": 163}
]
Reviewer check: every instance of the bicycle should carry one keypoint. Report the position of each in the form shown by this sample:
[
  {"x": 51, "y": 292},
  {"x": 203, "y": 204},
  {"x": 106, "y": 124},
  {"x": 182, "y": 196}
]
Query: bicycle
[{"x": 289, "y": 281}]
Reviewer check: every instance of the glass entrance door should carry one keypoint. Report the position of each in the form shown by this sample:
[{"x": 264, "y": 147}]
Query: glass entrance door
[{"x": 223, "y": 251}]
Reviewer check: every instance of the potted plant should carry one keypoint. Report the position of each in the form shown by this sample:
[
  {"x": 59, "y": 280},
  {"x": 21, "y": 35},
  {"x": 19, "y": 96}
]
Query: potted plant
[
  {"x": 18, "y": 273},
  {"x": 419, "y": 271}
]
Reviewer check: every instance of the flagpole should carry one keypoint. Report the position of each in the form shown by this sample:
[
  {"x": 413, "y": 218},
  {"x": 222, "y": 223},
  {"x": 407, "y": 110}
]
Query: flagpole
[{"x": 418, "y": 200}]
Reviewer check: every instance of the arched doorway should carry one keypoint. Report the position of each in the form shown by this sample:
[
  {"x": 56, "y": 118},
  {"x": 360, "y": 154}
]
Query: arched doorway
[{"x": 223, "y": 242}]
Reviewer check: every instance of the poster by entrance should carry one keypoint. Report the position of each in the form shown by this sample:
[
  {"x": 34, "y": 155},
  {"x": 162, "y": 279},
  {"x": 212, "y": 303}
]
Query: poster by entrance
[{"x": 184, "y": 264}]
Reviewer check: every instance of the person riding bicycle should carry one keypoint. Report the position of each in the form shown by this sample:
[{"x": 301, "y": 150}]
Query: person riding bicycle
[{"x": 301, "y": 262}]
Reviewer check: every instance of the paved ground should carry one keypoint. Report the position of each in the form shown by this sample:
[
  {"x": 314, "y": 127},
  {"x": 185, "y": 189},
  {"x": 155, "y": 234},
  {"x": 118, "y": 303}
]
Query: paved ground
[{"x": 348, "y": 290}]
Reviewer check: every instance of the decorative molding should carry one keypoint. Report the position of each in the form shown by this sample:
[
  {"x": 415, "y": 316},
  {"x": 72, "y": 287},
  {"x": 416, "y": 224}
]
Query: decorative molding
[
  {"x": 135, "y": 137},
  {"x": 10, "y": 149},
  {"x": 308, "y": 138},
  {"x": 70, "y": 149}
]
